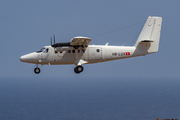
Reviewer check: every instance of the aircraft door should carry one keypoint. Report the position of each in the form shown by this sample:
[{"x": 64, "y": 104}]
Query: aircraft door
[
  {"x": 95, "y": 53},
  {"x": 98, "y": 53},
  {"x": 44, "y": 54},
  {"x": 91, "y": 53}
]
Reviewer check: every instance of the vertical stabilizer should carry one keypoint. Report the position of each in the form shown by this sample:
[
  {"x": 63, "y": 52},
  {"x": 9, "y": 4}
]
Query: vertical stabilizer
[{"x": 148, "y": 41}]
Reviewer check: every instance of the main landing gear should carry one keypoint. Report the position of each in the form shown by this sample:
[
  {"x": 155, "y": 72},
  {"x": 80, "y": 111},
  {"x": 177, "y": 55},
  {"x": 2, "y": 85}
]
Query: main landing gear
[{"x": 78, "y": 69}]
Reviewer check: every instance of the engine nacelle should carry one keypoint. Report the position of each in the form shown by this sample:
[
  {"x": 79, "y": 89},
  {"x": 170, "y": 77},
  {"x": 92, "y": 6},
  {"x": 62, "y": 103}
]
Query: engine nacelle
[{"x": 60, "y": 49}]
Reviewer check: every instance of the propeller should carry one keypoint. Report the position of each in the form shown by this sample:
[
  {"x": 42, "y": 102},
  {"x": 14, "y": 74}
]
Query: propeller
[
  {"x": 53, "y": 40},
  {"x": 53, "y": 45}
]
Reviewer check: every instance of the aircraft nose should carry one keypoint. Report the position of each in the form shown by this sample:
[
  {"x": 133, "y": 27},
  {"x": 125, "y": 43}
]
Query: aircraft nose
[
  {"x": 23, "y": 58},
  {"x": 29, "y": 58}
]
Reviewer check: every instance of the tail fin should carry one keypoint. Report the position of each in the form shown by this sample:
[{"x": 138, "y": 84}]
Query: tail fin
[{"x": 148, "y": 41}]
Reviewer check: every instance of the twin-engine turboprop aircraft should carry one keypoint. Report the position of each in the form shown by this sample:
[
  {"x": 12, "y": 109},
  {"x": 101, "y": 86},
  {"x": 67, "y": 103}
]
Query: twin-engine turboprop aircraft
[{"x": 79, "y": 52}]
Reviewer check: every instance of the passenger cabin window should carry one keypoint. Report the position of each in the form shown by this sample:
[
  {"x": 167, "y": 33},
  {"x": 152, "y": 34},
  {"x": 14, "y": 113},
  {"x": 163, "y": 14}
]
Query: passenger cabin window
[
  {"x": 69, "y": 51},
  {"x": 79, "y": 51},
  {"x": 98, "y": 50}
]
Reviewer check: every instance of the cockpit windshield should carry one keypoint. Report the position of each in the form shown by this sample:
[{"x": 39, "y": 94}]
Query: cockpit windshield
[{"x": 41, "y": 50}]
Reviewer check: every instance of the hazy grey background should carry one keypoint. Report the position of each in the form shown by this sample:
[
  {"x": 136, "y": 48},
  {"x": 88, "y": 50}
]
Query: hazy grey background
[{"x": 26, "y": 26}]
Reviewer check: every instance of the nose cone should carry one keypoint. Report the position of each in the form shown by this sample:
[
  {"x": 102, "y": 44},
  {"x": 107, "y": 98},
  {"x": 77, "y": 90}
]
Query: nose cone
[
  {"x": 23, "y": 58},
  {"x": 29, "y": 58}
]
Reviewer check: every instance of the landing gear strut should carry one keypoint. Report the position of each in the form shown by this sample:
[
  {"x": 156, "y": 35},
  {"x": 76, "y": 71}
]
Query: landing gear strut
[
  {"x": 78, "y": 69},
  {"x": 37, "y": 70}
]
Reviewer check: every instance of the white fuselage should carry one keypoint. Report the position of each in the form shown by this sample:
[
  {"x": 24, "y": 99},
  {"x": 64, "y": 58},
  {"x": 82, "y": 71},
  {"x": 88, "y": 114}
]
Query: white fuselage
[{"x": 92, "y": 54}]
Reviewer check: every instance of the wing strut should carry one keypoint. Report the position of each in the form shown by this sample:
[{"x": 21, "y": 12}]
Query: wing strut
[{"x": 76, "y": 54}]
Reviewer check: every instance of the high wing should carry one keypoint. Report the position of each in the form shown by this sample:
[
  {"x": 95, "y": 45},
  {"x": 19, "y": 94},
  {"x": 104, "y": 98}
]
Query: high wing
[{"x": 80, "y": 41}]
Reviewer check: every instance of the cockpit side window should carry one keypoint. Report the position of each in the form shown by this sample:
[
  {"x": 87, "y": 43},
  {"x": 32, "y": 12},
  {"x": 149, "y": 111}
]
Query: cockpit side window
[{"x": 46, "y": 51}]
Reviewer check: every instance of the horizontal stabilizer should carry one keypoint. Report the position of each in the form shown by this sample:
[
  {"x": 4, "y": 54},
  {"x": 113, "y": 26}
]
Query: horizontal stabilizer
[{"x": 147, "y": 41}]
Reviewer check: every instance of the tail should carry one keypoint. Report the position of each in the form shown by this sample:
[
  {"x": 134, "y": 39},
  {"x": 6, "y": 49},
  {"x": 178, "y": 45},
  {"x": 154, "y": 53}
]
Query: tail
[{"x": 148, "y": 41}]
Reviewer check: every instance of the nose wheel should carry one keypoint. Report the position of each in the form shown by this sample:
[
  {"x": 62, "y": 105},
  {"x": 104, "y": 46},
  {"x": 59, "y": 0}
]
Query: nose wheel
[
  {"x": 37, "y": 70},
  {"x": 78, "y": 69}
]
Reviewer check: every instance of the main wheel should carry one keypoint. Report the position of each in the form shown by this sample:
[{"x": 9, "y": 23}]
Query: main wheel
[
  {"x": 78, "y": 69},
  {"x": 37, "y": 70}
]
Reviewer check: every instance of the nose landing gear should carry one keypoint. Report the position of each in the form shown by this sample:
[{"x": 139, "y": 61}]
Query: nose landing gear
[
  {"x": 78, "y": 69},
  {"x": 37, "y": 70}
]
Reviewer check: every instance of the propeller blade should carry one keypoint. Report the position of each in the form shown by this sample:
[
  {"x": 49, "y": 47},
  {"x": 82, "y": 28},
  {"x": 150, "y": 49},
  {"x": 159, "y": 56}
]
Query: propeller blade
[
  {"x": 51, "y": 41},
  {"x": 54, "y": 39}
]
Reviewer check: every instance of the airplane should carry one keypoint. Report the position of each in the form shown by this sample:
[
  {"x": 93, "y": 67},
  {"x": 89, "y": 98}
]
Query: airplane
[{"x": 79, "y": 52}]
